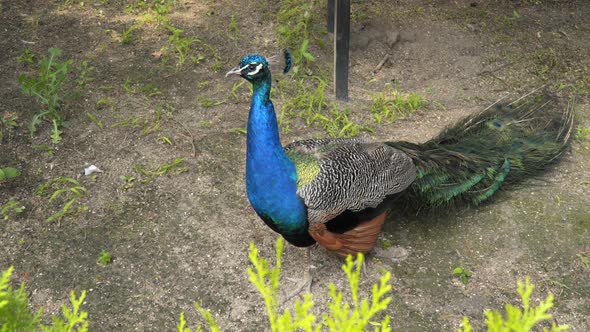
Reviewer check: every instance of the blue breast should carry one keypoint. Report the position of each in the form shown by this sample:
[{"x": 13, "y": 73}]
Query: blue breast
[{"x": 271, "y": 178}]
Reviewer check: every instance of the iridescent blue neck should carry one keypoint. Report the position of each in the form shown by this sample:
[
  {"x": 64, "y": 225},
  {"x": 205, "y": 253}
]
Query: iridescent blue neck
[{"x": 271, "y": 179}]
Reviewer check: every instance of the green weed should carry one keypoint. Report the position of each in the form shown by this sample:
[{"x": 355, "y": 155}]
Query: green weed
[
  {"x": 131, "y": 88},
  {"x": 234, "y": 90},
  {"x": 546, "y": 59},
  {"x": 163, "y": 8},
  {"x": 128, "y": 87},
  {"x": 197, "y": 59},
  {"x": 69, "y": 191},
  {"x": 8, "y": 173},
  {"x": 518, "y": 320},
  {"x": 234, "y": 30},
  {"x": 45, "y": 148},
  {"x": 392, "y": 104},
  {"x": 207, "y": 102},
  {"x": 202, "y": 85},
  {"x": 27, "y": 56},
  {"x": 85, "y": 71},
  {"x": 295, "y": 30},
  {"x": 217, "y": 66},
  {"x": 151, "y": 90},
  {"x": 582, "y": 133},
  {"x": 55, "y": 133},
  {"x": 207, "y": 47},
  {"x": 165, "y": 139},
  {"x": 463, "y": 274},
  {"x": 149, "y": 125},
  {"x": 173, "y": 168},
  {"x": 127, "y": 33},
  {"x": 205, "y": 124},
  {"x": 241, "y": 131},
  {"x": 128, "y": 181},
  {"x": 102, "y": 102},
  {"x": 46, "y": 86},
  {"x": 105, "y": 257},
  {"x": 7, "y": 123},
  {"x": 584, "y": 260},
  {"x": 10, "y": 209},
  {"x": 314, "y": 109},
  {"x": 179, "y": 45},
  {"x": 97, "y": 122}
]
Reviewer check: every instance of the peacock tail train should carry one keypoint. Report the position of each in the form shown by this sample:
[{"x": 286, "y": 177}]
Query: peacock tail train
[{"x": 468, "y": 163}]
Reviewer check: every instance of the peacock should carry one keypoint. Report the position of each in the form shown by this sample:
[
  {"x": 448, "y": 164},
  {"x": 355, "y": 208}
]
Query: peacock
[{"x": 337, "y": 191}]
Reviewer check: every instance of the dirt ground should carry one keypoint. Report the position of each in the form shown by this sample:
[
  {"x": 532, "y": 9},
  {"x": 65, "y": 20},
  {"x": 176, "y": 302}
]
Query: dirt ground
[{"x": 183, "y": 237}]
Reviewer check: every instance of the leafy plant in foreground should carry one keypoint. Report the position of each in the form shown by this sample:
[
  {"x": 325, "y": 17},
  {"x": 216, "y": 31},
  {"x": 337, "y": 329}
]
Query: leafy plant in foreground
[
  {"x": 15, "y": 313},
  {"x": 46, "y": 86},
  {"x": 342, "y": 316},
  {"x": 518, "y": 320}
]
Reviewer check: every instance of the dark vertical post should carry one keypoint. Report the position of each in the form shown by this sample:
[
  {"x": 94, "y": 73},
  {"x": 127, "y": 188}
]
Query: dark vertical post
[
  {"x": 330, "y": 17},
  {"x": 341, "y": 46}
]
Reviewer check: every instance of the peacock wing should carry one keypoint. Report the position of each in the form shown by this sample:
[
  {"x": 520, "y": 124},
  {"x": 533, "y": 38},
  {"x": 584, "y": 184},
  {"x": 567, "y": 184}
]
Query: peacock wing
[{"x": 335, "y": 175}]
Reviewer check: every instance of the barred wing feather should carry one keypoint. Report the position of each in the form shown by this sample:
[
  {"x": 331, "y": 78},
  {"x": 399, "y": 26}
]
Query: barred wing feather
[{"x": 335, "y": 175}]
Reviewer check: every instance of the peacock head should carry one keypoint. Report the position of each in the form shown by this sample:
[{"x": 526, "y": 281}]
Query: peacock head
[{"x": 253, "y": 68}]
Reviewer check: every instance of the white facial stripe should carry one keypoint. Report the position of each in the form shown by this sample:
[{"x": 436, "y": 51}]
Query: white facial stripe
[{"x": 255, "y": 71}]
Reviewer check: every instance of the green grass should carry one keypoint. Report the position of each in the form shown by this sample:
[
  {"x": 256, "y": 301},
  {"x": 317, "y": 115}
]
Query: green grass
[
  {"x": 393, "y": 104},
  {"x": 313, "y": 107}
]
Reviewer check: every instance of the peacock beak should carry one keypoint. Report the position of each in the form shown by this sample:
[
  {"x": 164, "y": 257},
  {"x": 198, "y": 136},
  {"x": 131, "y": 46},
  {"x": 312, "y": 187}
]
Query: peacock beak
[{"x": 235, "y": 71}]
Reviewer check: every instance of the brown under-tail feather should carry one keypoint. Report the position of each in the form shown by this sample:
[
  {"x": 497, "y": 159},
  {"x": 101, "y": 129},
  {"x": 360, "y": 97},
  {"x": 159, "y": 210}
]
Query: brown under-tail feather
[{"x": 362, "y": 238}]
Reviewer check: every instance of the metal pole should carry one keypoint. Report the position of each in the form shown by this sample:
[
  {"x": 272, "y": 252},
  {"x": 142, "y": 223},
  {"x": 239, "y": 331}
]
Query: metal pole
[{"x": 341, "y": 47}]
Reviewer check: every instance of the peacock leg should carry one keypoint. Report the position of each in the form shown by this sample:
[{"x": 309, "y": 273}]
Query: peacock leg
[{"x": 307, "y": 278}]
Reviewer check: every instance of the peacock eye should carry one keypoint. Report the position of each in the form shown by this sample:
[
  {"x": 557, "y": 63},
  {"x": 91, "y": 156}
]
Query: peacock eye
[{"x": 252, "y": 66}]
